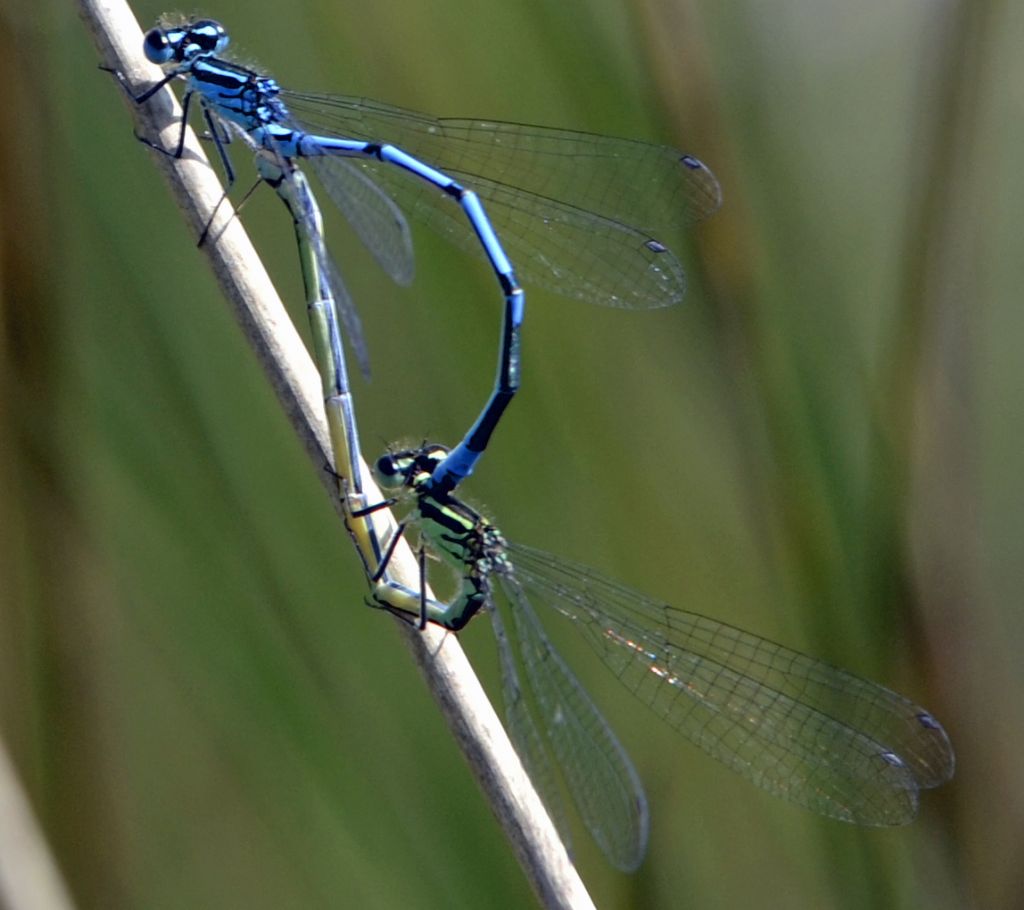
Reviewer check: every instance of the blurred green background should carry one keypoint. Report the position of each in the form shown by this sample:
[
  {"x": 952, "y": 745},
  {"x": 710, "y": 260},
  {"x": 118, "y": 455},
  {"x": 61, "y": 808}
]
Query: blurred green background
[{"x": 822, "y": 445}]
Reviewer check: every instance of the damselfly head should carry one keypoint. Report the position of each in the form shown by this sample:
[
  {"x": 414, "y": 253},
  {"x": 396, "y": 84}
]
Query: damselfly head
[
  {"x": 181, "y": 43},
  {"x": 408, "y": 467}
]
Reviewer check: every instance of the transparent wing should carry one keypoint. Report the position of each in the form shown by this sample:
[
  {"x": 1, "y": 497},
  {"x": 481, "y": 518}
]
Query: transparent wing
[
  {"x": 598, "y": 773},
  {"x": 346, "y": 309},
  {"x": 272, "y": 170},
  {"x": 522, "y": 730},
  {"x": 351, "y": 323},
  {"x": 797, "y": 727},
  {"x": 589, "y": 216},
  {"x": 569, "y": 251},
  {"x": 373, "y": 215}
]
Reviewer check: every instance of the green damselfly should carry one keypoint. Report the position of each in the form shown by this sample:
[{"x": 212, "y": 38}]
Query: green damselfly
[{"x": 795, "y": 726}]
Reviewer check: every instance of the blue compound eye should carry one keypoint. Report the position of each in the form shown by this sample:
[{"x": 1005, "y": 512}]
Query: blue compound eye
[{"x": 156, "y": 47}]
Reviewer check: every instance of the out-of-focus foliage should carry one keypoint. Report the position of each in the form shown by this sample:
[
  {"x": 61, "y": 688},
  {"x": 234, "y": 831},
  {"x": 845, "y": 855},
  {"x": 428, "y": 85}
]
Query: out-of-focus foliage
[{"x": 821, "y": 445}]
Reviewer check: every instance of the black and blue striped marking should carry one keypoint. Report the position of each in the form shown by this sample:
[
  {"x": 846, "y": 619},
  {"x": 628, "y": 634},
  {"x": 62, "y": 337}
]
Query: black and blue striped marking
[{"x": 251, "y": 102}]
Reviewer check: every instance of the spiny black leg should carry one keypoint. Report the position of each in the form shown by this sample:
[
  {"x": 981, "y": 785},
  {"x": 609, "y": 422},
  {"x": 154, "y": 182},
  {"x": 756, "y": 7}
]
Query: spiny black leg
[
  {"x": 369, "y": 510},
  {"x": 388, "y": 553},
  {"x": 220, "y": 139},
  {"x": 423, "y": 588},
  {"x": 144, "y": 96},
  {"x": 206, "y": 232}
]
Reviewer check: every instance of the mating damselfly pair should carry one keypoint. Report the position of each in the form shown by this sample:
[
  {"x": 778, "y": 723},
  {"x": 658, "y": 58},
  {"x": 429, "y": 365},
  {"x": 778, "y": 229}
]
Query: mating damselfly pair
[{"x": 587, "y": 216}]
